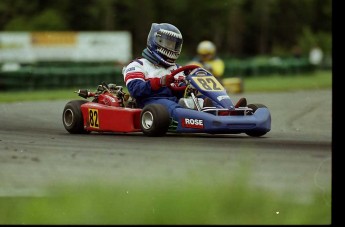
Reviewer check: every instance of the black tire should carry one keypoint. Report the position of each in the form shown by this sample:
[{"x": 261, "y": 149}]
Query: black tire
[
  {"x": 72, "y": 117},
  {"x": 154, "y": 120},
  {"x": 255, "y": 133}
]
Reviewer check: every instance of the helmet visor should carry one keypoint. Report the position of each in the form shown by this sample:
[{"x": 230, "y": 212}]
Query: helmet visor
[{"x": 169, "y": 42}]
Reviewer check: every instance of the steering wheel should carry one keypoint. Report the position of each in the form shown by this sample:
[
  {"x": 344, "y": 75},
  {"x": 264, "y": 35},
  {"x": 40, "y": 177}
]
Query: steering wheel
[{"x": 186, "y": 68}]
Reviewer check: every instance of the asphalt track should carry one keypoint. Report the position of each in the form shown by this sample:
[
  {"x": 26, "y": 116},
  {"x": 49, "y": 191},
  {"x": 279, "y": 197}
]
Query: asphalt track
[{"x": 295, "y": 156}]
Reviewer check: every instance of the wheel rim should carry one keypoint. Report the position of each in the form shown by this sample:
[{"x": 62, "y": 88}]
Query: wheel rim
[
  {"x": 68, "y": 117},
  {"x": 147, "y": 120}
]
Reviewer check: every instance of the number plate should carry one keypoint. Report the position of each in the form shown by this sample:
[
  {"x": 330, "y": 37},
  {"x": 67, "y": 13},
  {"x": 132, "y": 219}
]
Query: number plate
[
  {"x": 93, "y": 118},
  {"x": 208, "y": 83}
]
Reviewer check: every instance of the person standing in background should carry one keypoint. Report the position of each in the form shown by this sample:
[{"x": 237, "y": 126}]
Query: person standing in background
[{"x": 208, "y": 59}]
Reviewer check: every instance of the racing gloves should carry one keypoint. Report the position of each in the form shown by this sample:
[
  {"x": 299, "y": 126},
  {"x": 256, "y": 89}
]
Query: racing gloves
[{"x": 157, "y": 83}]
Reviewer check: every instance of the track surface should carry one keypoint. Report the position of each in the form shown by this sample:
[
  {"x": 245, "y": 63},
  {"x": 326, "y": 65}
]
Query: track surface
[{"x": 295, "y": 156}]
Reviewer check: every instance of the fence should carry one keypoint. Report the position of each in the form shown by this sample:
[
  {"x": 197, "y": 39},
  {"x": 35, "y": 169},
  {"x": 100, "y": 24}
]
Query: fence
[{"x": 79, "y": 75}]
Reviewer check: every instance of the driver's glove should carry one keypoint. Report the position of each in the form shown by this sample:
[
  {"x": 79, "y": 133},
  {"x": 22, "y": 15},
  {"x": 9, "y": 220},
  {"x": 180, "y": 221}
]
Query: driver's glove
[{"x": 157, "y": 83}]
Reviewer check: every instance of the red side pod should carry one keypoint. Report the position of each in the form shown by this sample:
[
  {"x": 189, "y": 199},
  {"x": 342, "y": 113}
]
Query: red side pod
[{"x": 102, "y": 118}]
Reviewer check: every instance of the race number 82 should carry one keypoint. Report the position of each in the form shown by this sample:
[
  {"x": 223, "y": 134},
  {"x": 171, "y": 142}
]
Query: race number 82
[
  {"x": 93, "y": 118},
  {"x": 208, "y": 83}
]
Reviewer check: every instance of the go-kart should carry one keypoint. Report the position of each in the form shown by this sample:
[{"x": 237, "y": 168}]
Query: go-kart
[{"x": 206, "y": 108}]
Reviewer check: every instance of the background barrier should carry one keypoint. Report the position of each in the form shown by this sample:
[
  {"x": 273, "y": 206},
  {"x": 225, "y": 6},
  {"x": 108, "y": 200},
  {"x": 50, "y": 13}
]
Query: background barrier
[{"x": 50, "y": 75}]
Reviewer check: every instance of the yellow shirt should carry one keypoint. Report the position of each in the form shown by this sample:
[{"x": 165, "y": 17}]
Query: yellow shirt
[{"x": 215, "y": 66}]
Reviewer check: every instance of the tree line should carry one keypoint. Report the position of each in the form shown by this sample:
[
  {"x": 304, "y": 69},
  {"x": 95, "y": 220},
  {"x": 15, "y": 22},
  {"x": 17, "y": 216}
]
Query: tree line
[{"x": 239, "y": 28}]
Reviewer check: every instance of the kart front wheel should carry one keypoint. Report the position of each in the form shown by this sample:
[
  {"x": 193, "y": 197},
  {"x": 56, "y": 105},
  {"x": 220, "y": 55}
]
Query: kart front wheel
[
  {"x": 72, "y": 117},
  {"x": 154, "y": 120},
  {"x": 255, "y": 133}
]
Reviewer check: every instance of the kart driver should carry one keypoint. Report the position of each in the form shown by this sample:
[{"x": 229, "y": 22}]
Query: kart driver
[
  {"x": 147, "y": 77},
  {"x": 208, "y": 59}
]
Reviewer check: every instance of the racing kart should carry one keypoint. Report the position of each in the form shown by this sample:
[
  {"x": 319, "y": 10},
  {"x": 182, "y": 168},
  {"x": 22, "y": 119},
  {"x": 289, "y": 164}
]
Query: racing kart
[{"x": 206, "y": 108}]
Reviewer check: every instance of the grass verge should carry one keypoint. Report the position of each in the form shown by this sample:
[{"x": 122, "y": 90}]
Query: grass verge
[
  {"x": 157, "y": 203},
  {"x": 272, "y": 83}
]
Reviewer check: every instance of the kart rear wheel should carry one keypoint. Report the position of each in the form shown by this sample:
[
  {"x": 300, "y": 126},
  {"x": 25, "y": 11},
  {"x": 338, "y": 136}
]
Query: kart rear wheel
[
  {"x": 72, "y": 117},
  {"x": 154, "y": 120},
  {"x": 254, "y": 107}
]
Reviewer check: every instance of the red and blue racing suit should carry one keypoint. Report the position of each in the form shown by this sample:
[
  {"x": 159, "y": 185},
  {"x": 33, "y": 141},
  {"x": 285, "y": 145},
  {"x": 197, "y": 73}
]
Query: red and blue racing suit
[{"x": 139, "y": 77}]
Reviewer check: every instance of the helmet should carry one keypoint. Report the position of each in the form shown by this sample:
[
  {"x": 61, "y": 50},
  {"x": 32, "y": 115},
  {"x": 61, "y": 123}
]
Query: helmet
[
  {"x": 165, "y": 43},
  {"x": 206, "y": 50}
]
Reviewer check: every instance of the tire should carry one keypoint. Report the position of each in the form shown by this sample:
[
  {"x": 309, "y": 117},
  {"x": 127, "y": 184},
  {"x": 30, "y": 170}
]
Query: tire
[
  {"x": 72, "y": 117},
  {"x": 255, "y": 107},
  {"x": 154, "y": 120}
]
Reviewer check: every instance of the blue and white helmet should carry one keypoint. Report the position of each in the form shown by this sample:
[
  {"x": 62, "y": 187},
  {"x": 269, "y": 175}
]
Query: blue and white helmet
[{"x": 165, "y": 43}]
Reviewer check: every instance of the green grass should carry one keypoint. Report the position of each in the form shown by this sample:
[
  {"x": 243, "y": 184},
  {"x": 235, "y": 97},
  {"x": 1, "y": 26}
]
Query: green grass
[
  {"x": 160, "y": 203},
  {"x": 21, "y": 96},
  {"x": 272, "y": 83}
]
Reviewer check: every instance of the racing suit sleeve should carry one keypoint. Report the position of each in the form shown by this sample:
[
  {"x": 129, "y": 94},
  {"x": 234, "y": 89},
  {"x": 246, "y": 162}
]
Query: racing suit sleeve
[
  {"x": 139, "y": 86},
  {"x": 136, "y": 84},
  {"x": 142, "y": 86}
]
